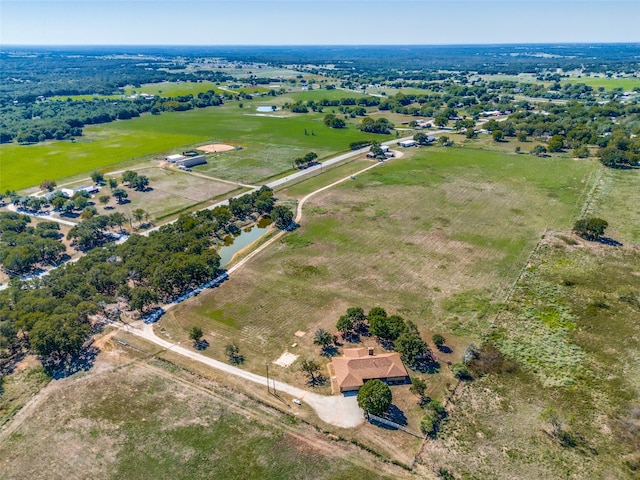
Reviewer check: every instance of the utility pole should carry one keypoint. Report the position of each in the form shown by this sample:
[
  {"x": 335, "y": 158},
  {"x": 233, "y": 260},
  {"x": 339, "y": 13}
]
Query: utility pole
[{"x": 268, "y": 388}]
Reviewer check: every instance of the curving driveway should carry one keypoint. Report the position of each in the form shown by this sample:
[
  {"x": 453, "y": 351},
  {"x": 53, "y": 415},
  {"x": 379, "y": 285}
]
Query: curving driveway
[{"x": 336, "y": 410}]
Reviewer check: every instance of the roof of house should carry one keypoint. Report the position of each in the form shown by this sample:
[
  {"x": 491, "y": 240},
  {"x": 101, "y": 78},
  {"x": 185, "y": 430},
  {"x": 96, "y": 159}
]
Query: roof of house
[{"x": 357, "y": 366}]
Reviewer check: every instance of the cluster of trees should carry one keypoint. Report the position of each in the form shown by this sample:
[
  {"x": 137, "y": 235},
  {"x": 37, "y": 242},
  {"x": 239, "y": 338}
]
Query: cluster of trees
[
  {"x": 380, "y": 126},
  {"x": 578, "y": 126},
  {"x": 24, "y": 248},
  {"x": 135, "y": 181},
  {"x": 261, "y": 202},
  {"x": 53, "y": 315},
  {"x": 391, "y": 330},
  {"x": 306, "y": 161},
  {"x": 332, "y": 121}
]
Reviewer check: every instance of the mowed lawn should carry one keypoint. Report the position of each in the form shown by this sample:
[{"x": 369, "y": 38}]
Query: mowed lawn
[
  {"x": 436, "y": 236},
  {"x": 269, "y": 144}
]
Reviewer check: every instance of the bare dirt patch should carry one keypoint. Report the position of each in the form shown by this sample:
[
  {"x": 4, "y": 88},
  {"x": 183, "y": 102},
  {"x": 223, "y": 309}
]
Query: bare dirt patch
[
  {"x": 286, "y": 359},
  {"x": 215, "y": 148}
]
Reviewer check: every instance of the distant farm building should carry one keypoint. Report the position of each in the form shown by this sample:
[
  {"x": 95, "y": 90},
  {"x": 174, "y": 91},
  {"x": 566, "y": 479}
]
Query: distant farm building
[
  {"x": 187, "y": 161},
  {"x": 192, "y": 161},
  {"x": 70, "y": 192},
  {"x": 407, "y": 143},
  {"x": 360, "y": 364}
]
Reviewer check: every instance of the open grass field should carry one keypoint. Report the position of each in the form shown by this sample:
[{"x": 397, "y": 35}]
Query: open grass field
[
  {"x": 141, "y": 420},
  {"x": 572, "y": 325},
  {"x": 173, "y": 89},
  {"x": 437, "y": 237},
  {"x": 264, "y": 154},
  {"x": 170, "y": 191},
  {"x": 627, "y": 84},
  {"x": 612, "y": 202}
]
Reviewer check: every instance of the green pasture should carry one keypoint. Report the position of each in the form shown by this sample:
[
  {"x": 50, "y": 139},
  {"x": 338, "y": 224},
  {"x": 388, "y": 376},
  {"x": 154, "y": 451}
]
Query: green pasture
[
  {"x": 173, "y": 89},
  {"x": 269, "y": 144},
  {"x": 626, "y": 84},
  {"x": 437, "y": 236}
]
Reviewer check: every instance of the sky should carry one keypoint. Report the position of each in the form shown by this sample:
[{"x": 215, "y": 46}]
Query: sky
[{"x": 316, "y": 22}]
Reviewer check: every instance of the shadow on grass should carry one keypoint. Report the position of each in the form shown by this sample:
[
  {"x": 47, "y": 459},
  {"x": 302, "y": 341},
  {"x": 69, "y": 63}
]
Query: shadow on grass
[{"x": 64, "y": 366}]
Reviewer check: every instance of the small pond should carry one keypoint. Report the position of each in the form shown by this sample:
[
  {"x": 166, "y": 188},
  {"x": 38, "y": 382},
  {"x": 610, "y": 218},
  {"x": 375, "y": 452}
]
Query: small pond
[
  {"x": 243, "y": 240},
  {"x": 267, "y": 109}
]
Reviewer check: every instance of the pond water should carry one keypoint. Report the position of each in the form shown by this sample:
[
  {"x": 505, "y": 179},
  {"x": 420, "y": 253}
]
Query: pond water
[
  {"x": 267, "y": 109},
  {"x": 243, "y": 240}
]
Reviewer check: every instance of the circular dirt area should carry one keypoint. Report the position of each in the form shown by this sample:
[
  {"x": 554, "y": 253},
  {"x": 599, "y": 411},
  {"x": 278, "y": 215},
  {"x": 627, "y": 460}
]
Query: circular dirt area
[{"x": 216, "y": 147}]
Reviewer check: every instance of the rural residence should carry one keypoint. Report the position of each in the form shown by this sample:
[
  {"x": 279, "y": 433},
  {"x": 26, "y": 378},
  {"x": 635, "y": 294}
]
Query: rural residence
[{"x": 349, "y": 372}]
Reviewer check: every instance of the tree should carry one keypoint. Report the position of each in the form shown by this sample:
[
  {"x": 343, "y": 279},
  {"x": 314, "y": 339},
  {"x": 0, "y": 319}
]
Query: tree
[
  {"x": 232, "y": 351},
  {"x": 413, "y": 349},
  {"x": 142, "y": 297},
  {"x": 120, "y": 195},
  {"x": 539, "y": 150},
  {"x": 104, "y": 199},
  {"x": 556, "y": 143},
  {"x": 345, "y": 325},
  {"x": 375, "y": 397},
  {"x": 441, "y": 121},
  {"x": 418, "y": 387},
  {"x": 461, "y": 372},
  {"x": 438, "y": 340},
  {"x": 97, "y": 177},
  {"x": 112, "y": 182},
  {"x": 57, "y": 336},
  {"x": 386, "y": 328},
  {"x": 497, "y": 135},
  {"x": 322, "y": 338},
  {"x": 376, "y": 150},
  {"x": 311, "y": 368},
  {"x": 129, "y": 176},
  {"x": 48, "y": 185},
  {"x": 140, "y": 183},
  {"x": 139, "y": 214},
  {"x": 581, "y": 152},
  {"x": 590, "y": 228},
  {"x": 195, "y": 334},
  {"x": 282, "y": 216}
]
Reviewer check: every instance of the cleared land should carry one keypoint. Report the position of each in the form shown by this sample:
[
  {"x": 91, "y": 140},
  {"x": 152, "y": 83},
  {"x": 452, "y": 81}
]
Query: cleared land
[{"x": 437, "y": 237}]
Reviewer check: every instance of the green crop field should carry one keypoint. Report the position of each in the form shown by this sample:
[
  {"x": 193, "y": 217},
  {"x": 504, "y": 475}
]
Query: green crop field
[
  {"x": 437, "y": 236},
  {"x": 626, "y": 84},
  {"x": 269, "y": 144}
]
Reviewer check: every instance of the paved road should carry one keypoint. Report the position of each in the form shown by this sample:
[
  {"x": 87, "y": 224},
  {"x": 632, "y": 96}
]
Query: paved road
[{"x": 336, "y": 410}]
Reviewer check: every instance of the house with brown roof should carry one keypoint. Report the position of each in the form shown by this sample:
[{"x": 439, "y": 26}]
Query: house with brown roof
[{"x": 349, "y": 372}]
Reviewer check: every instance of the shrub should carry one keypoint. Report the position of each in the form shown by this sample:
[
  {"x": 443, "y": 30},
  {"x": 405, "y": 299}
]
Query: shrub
[{"x": 461, "y": 372}]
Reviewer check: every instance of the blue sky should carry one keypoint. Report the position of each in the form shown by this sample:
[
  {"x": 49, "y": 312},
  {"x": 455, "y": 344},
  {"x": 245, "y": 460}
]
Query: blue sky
[{"x": 315, "y": 22}]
